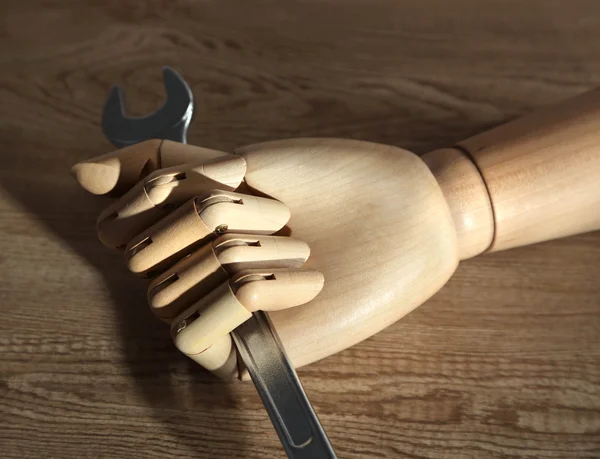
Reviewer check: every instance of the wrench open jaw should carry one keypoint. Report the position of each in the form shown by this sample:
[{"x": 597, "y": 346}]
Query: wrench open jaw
[{"x": 171, "y": 121}]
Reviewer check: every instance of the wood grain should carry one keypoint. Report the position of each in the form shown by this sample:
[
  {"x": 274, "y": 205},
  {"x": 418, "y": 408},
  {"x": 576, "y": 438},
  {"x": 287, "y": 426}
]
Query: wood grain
[{"x": 504, "y": 362}]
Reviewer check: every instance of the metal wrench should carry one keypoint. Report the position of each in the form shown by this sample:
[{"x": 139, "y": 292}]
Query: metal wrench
[
  {"x": 171, "y": 121},
  {"x": 276, "y": 381}
]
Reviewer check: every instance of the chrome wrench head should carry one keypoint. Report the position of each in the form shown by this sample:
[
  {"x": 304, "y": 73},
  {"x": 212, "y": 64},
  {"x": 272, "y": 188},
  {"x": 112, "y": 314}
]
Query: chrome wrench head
[{"x": 171, "y": 121}]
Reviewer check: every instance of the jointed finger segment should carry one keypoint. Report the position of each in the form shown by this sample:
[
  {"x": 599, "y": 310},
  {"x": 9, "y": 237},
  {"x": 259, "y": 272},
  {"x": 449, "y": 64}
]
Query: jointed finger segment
[
  {"x": 206, "y": 268},
  {"x": 116, "y": 172},
  {"x": 200, "y": 219},
  {"x": 163, "y": 190},
  {"x": 232, "y": 303}
]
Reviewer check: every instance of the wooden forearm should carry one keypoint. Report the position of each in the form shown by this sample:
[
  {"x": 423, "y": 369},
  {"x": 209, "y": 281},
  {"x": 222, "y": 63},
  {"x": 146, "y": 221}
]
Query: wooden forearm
[{"x": 530, "y": 180}]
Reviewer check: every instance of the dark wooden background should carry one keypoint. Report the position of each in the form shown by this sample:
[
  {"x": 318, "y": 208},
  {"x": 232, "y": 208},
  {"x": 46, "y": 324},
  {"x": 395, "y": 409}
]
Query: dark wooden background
[{"x": 504, "y": 362}]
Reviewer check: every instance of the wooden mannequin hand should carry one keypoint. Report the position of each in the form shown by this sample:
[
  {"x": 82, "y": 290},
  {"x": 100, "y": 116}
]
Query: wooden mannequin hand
[
  {"x": 376, "y": 221},
  {"x": 385, "y": 227}
]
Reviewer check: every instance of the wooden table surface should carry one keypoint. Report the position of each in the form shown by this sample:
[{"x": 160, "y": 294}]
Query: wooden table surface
[{"x": 504, "y": 362}]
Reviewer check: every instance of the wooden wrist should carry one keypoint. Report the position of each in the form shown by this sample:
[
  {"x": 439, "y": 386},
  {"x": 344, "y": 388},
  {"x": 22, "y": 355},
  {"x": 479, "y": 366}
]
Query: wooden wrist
[
  {"x": 531, "y": 180},
  {"x": 467, "y": 198}
]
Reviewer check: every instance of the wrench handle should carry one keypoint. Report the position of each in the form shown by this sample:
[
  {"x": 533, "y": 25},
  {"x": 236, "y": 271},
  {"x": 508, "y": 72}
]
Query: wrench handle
[{"x": 277, "y": 383}]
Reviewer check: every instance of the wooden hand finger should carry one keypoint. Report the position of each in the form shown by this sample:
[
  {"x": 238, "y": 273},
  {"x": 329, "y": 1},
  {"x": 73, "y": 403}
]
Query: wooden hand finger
[
  {"x": 153, "y": 197},
  {"x": 211, "y": 265},
  {"x": 214, "y": 316},
  {"x": 220, "y": 358},
  {"x": 196, "y": 221},
  {"x": 116, "y": 172}
]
